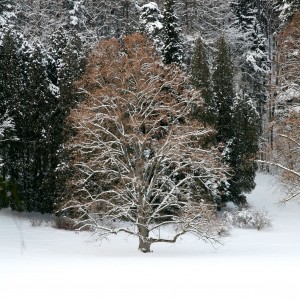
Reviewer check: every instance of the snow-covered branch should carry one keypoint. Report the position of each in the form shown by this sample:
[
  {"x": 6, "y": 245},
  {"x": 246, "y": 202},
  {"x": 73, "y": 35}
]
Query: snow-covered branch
[{"x": 139, "y": 154}]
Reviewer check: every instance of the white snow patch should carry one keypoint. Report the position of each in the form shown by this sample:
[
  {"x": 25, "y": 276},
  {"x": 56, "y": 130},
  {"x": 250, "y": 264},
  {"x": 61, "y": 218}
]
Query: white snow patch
[
  {"x": 44, "y": 263},
  {"x": 54, "y": 90},
  {"x": 151, "y": 6},
  {"x": 74, "y": 20},
  {"x": 293, "y": 92}
]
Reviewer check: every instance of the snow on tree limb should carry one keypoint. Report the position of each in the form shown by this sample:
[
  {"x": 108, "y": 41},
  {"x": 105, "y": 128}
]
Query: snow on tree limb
[
  {"x": 284, "y": 153},
  {"x": 279, "y": 166},
  {"x": 139, "y": 154}
]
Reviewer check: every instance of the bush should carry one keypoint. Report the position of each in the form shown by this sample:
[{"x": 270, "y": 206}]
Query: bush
[
  {"x": 65, "y": 223},
  {"x": 248, "y": 218}
]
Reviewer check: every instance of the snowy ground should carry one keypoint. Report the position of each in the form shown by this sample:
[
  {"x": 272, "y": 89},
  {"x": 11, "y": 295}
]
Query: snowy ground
[{"x": 43, "y": 263}]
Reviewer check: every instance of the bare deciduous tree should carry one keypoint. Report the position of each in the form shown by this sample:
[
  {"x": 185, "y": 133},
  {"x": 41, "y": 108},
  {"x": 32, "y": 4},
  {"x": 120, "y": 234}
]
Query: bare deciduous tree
[
  {"x": 283, "y": 127},
  {"x": 284, "y": 154},
  {"x": 139, "y": 154}
]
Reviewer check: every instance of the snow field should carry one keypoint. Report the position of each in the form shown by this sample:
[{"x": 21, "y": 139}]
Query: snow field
[{"x": 44, "y": 263}]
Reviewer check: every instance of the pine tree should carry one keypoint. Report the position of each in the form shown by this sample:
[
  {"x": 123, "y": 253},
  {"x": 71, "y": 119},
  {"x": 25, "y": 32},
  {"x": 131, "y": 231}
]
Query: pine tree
[
  {"x": 66, "y": 63},
  {"x": 68, "y": 54},
  {"x": 172, "y": 49},
  {"x": 200, "y": 79}
]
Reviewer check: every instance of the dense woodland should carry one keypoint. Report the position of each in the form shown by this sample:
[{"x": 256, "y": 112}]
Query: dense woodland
[{"x": 134, "y": 115}]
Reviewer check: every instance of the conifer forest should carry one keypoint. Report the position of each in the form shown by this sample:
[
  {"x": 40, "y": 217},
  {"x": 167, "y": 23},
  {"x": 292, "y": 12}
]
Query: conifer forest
[{"x": 133, "y": 116}]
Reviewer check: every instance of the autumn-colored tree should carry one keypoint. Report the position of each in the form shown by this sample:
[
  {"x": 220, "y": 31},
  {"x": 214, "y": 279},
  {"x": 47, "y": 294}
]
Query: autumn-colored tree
[
  {"x": 284, "y": 154},
  {"x": 287, "y": 83},
  {"x": 282, "y": 150},
  {"x": 139, "y": 160}
]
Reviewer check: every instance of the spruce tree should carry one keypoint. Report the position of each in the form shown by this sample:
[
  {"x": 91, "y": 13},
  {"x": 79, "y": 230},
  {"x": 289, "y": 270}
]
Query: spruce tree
[{"x": 172, "y": 49}]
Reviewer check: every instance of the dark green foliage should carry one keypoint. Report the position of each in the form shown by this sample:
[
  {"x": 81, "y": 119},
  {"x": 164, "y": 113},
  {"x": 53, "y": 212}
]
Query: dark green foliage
[
  {"x": 9, "y": 196},
  {"x": 37, "y": 93},
  {"x": 241, "y": 151},
  {"x": 6, "y": 5},
  {"x": 237, "y": 126},
  {"x": 69, "y": 57},
  {"x": 223, "y": 91},
  {"x": 30, "y": 160},
  {"x": 172, "y": 49},
  {"x": 10, "y": 91},
  {"x": 255, "y": 62},
  {"x": 200, "y": 79}
]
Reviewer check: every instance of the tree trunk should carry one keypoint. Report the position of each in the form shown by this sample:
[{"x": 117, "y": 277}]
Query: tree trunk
[{"x": 144, "y": 243}]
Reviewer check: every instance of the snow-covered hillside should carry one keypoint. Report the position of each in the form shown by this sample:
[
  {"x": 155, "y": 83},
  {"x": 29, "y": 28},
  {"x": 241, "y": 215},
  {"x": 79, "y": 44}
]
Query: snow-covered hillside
[{"x": 39, "y": 262}]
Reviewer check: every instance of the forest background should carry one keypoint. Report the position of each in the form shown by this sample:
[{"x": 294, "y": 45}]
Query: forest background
[{"x": 236, "y": 97}]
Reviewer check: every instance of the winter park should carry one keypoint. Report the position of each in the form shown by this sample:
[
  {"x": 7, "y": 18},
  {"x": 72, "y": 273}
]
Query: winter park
[{"x": 149, "y": 150}]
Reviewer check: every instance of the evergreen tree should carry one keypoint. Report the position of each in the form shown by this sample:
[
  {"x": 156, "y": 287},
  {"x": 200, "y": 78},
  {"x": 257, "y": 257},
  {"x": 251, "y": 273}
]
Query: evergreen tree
[
  {"x": 200, "y": 79},
  {"x": 30, "y": 159},
  {"x": 7, "y": 15},
  {"x": 254, "y": 62},
  {"x": 237, "y": 129},
  {"x": 286, "y": 9},
  {"x": 77, "y": 14},
  {"x": 65, "y": 65},
  {"x": 11, "y": 80},
  {"x": 11, "y": 92},
  {"x": 223, "y": 91},
  {"x": 172, "y": 49},
  {"x": 151, "y": 23},
  {"x": 10, "y": 86},
  {"x": 37, "y": 93},
  {"x": 241, "y": 150}
]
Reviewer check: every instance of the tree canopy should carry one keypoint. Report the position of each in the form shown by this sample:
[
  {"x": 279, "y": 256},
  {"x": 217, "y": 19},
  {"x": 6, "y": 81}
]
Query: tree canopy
[{"x": 140, "y": 157}]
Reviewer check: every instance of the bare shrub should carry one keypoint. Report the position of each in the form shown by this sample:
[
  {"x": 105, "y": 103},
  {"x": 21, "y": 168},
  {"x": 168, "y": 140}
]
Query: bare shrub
[
  {"x": 248, "y": 218},
  {"x": 64, "y": 223}
]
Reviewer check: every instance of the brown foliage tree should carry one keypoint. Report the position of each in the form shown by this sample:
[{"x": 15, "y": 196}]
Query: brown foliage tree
[
  {"x": 284, "y": 146},
  {"x": 140, "y": 159}
]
